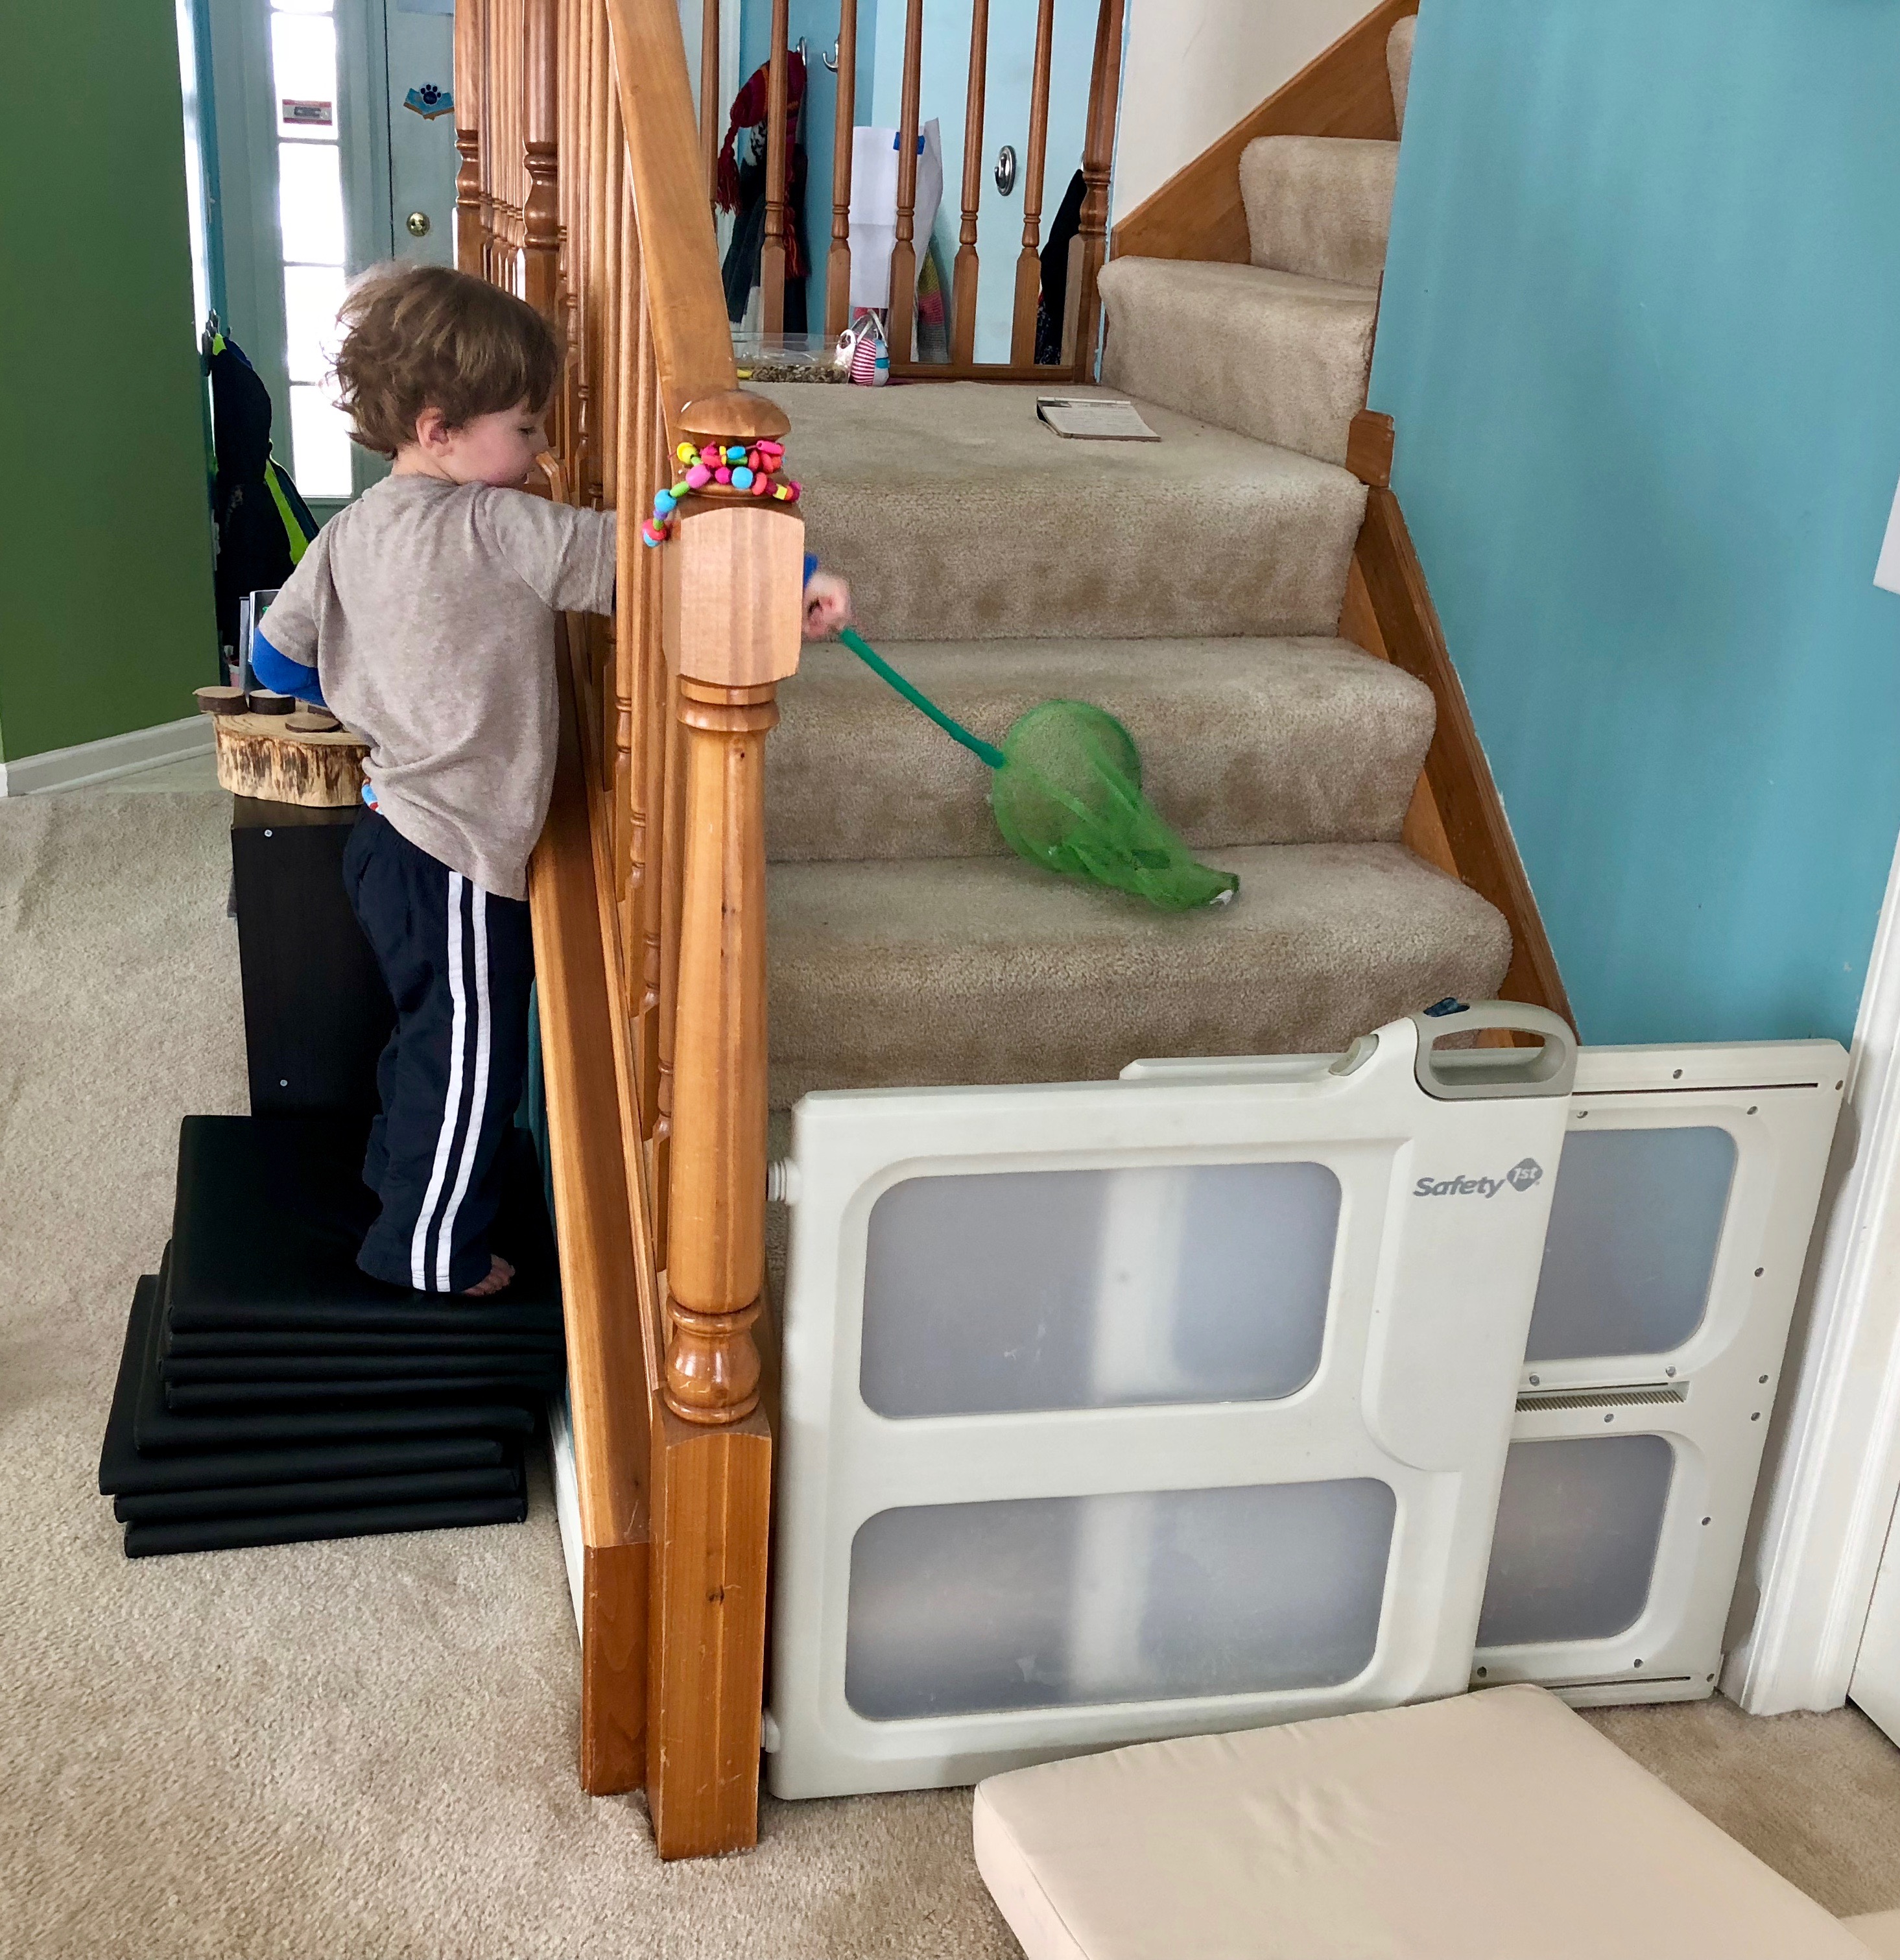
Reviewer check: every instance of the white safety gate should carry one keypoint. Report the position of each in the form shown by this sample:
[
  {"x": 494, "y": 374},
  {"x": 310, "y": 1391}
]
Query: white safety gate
[
  {"x": 1125, "y": 1409},
  {"x": 1678, "y": 1232}
]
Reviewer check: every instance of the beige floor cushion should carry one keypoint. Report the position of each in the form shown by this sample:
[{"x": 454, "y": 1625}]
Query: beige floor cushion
[
  {"x": 1495, "y": 1826},
  {"x": 1877, "y": 1932}
]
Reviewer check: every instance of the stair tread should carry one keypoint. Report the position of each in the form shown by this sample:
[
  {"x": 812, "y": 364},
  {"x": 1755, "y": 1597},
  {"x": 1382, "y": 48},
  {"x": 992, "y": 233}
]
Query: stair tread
[
  {"x": 1320, "y": 204},
  {"x": 955, "y": 970},
  {"x": 955, "y": 513},
  {"x": 1242, "y": 741},
  {"x": 1278, "y": 356}
]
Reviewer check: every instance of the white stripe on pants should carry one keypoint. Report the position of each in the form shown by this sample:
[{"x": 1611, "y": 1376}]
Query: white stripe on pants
[
  {"x": 477, "y": 1100},
  {"x": 445, "y": 1138}
]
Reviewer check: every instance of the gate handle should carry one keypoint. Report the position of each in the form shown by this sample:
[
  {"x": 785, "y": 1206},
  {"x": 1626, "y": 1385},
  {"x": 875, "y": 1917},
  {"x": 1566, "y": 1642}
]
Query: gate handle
[{"x": 1472, "y": 1074}]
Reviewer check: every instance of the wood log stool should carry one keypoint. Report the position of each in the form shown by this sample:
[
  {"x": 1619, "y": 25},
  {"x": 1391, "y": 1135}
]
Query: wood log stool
[{"x": 289, "y": 754}]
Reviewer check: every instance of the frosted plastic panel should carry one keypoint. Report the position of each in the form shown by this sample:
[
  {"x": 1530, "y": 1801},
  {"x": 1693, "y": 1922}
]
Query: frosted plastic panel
[
  {"x": 1635, "y": 1223},
  {"x": 309, "y": 203},
  {"x": 1097, "y": 1288},
  {"x": 1579, "y": 1520},
  {"x": 1057, "y": 1601},
  {"x": 303, "y": 65}
]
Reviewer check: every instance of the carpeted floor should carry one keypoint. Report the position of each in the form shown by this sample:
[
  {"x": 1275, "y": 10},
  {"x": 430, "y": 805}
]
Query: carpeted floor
[{"x": 366, "y": 1749}]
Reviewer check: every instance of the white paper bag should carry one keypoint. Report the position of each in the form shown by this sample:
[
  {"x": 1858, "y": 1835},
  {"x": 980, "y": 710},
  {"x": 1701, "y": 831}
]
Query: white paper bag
[{"x": 873, "y": 207}]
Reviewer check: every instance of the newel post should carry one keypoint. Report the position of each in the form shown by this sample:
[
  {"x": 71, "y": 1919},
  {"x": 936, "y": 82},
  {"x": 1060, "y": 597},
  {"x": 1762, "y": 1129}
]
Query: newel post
[{"x": 731, "y": 576}]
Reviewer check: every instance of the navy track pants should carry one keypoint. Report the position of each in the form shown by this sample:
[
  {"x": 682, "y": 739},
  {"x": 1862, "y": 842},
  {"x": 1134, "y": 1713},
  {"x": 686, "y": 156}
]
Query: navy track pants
[{"x": 458, "y": 960}]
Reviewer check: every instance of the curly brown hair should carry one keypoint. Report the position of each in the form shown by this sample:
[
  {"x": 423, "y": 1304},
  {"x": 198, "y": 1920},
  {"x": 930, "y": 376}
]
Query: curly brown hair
[{"x": 422, "y": 337}]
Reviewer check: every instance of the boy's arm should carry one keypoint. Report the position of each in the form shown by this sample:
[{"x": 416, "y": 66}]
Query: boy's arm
[
  {"x": 281, "y": 674},
  {"x": 564, "y": 555},
  {"x": 284, "y": 644}
]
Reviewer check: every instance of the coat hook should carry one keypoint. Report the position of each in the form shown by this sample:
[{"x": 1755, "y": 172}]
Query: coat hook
[{"x": 831, "y": 59}]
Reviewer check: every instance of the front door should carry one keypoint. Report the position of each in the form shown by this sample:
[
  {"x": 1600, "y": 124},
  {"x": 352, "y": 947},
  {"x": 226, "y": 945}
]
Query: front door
[{"x": 419, "y": 66}]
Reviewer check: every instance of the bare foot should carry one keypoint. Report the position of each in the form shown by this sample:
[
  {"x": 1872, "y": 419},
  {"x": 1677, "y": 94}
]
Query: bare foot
[{"x": 500, "y": 1273}]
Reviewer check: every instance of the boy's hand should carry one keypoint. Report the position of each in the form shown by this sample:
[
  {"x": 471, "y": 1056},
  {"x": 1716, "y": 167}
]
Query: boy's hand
[{"x": 828, "y": 604}]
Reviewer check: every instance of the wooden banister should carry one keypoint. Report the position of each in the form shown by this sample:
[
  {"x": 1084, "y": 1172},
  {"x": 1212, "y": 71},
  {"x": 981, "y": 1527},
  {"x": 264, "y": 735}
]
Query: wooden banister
[
  {"x": 837, "y": 270},
  {"x": 541, "y": 213},
  {"x": 1090, "y": 251},
  {"x": 904, "y": 254},
  {"x": 778, "y": 147},
  {"x": 963, "y": 327},
  {"x": 692, "y": 337},
  {"x": 1022, "y": 326},
  {"x": 711, "y": 109}
]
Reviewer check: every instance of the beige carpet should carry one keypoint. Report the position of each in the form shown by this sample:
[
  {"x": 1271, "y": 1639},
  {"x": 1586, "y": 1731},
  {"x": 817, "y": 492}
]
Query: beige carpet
[{"x": 366, "y": 1749}]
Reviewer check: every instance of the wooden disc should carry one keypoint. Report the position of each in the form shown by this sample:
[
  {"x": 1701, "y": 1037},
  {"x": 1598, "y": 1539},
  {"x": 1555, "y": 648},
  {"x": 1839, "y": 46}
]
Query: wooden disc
[
  {"x": 262, "y": 701},
  {"x": 219, "y": 700},
  {"x": 312, "y": 721}
]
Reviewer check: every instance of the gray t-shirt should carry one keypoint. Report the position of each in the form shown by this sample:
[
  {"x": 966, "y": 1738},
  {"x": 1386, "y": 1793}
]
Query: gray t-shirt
[{"x": 427, "y": 609}]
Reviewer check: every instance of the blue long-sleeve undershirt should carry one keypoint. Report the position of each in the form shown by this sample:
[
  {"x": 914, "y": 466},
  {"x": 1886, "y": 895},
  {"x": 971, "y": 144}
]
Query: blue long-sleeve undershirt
[{"x": 281, "y": 674}]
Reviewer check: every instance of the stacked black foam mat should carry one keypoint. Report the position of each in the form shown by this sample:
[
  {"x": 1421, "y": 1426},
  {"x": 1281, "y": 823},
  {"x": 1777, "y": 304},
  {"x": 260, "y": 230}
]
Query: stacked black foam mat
[{"x": 269, "y": 1392}]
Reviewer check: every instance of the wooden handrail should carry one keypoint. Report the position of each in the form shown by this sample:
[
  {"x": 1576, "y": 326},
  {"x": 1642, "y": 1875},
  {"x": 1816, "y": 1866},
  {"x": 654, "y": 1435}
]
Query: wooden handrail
[
  {"x": 582, "y": 187},
  {"x": 692, "y": 338}
]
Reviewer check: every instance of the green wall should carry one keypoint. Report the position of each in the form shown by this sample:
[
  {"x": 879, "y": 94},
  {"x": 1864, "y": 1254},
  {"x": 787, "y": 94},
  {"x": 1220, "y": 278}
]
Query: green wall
[{"x": 106, "y": 620}]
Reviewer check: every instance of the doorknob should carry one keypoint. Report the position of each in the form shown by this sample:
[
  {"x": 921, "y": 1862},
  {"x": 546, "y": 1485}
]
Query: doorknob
[
  {"x": 418, "y": 224},
  {"x": 1006, "y": 170}
]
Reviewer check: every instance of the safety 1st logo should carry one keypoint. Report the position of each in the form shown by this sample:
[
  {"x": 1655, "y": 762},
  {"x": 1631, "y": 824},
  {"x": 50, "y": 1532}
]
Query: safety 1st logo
[{"x": 1519, "y": 1177}]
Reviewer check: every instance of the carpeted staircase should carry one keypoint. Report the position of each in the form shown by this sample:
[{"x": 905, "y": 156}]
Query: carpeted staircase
[{"x": 1192, "y": 587}]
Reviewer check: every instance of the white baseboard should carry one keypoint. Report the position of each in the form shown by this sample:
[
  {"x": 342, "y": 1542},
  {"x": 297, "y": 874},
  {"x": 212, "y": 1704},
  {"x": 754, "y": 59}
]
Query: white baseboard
[{"x": 100, "y": 762}]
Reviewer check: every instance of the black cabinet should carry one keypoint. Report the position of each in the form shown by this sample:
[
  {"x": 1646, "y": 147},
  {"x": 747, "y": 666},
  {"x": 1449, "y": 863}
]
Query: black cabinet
[{"x": 317, "y": 1013}]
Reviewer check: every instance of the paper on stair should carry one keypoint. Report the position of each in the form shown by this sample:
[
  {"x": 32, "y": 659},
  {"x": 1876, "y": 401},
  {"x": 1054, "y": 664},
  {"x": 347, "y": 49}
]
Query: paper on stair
[{"x": 1090, "y": 416}]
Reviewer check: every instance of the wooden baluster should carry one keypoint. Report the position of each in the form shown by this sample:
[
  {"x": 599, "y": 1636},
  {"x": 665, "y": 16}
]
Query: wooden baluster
[
  {"x": 613, "y": 292},
  {"x": 566, "y": 300},
  {"x": 467, "y": 138},
  {"x": 1082, "y": 325},
  {"x": 732, "y": 575},
  {"x": 588, "y": 78},
  {"x": 604, "y": 94},
  {"x": 904, "y": 254},
  {"x": 541, "y": 216},
  {"x": 637, "y": 585},
  {"x": 672, "y": 805},
  {"x": 711, "y": 110},
  {"x": 837, "y": 268},
  {"x": 488, "y": 102},
  {"x": 778, "y": 147},
  {"x": 1022, "y": 330},
  {"x": 963, "y": 330}
]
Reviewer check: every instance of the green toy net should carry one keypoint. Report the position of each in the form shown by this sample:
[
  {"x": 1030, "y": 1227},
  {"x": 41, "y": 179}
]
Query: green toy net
[{"x": 1067, "y": 795}]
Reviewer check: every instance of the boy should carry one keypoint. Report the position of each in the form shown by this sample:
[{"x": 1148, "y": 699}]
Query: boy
[{"x": 423, "y": 615}]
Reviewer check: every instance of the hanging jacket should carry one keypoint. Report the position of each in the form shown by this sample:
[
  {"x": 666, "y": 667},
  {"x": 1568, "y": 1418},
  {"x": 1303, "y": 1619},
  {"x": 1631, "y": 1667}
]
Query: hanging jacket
[
  {"x": 751, "y": 107},
  {"x": 1053, "y": 301},
  {"x": 263, "y": 526}
]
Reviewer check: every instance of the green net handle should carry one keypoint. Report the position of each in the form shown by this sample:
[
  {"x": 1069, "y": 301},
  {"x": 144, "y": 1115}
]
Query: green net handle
[{"x": 977, "y": 746}]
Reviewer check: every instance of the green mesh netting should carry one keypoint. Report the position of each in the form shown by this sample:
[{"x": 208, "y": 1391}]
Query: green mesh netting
[{"x": 1067, "y": 795}]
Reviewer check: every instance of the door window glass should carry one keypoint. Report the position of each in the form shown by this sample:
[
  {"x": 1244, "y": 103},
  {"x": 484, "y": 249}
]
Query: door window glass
[{"x": 310, "y": 180}]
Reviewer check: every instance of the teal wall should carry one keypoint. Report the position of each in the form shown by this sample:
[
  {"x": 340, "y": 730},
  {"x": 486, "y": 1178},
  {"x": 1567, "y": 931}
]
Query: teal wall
[
  {"x": 105, "y": 620},
  {"x": 1641, "y": 333}
]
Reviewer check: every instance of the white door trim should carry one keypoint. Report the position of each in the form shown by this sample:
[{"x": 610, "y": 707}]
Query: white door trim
[
  {"x": 1824, "y": 1512},
  {"x": 100, "y": 762}
]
